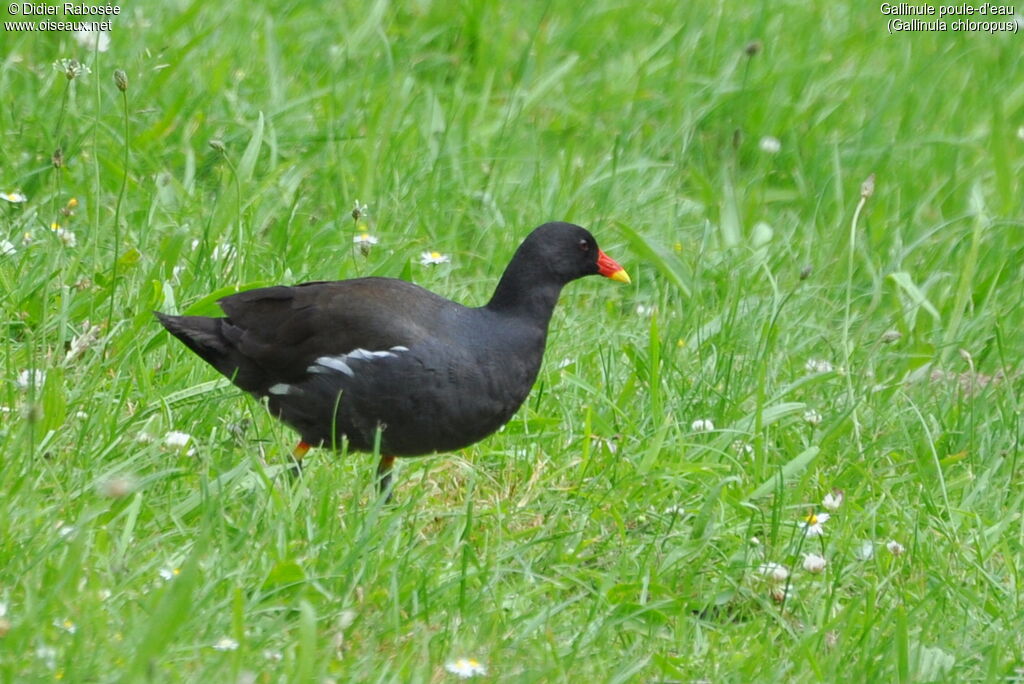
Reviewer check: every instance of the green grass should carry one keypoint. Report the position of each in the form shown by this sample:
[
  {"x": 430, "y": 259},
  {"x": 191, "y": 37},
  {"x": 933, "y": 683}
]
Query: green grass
[{"x": 550, "y": 551}]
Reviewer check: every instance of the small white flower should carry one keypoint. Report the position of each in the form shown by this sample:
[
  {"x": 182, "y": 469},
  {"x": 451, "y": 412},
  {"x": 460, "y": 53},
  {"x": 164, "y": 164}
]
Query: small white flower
[
  {"x": 781, "y": 594},
  {"x": 466, "y": 667},
  {"x": 770, "y": 145},
  {"x": 675, "y": 510},
  {"x": 833, "y": 500},
  {"x": 818, "y": 366},
  {"x": 434, "y": 258},
  {"x": 702, "y": 425},
  {"x": 813, "y": 524},
  {"x": 13, "y": 197},
  {"x": 7, "y": 248},
  {"x": 93, "y": 40},
  {"x": 71, "y": 68},
  {"x": 89, "y": 336},
  {"x": 773, "y": 572},
  {"x": 64, "y": 235},
  {"x": 167, "y": 574},
  {"x": 644, "y": 310},
  {"x": 225, "y": 644},
  {"x": 359, "y": 210},
  {"x": 273, "y": 656},
  {"x": 894, "y": 547},
  {"x": 812, "y": 417},
  {"x": 30, "y": 378},
  {"x": 177, "y": 440},
  {"x": 66, "y": 624},
  {"x": 48, "y": 654},
  {"x": 813, "y": 563},
  {"x": 743, "y": 448},
  {"x": 365, "y": 239}
]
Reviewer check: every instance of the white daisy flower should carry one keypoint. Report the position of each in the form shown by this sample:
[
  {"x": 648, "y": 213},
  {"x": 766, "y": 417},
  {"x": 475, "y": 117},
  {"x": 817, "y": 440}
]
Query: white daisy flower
[
  {"x": 30, "y": 378},
  {"x": 93, "y": 40},
  {"x": 818, "y": 366},
  {"x": 895, "y": 548},
  {"x": 433, "y": 258},
  {"x": 466, "y": 667},
  {"x": 13, "y": 197},
  {"x": 66, "y": 624},
  {"x": 833, "y": 500},
  {"x": 812, "y": 417},
  {"x": 773, "y": 572},
  {"x": 813, "y": 524},
  {"x": 7, "y": 248},
  {"x": 167, "y": 574},
  {"x": 770, "y": 145},
  {"x": 365, "y": 239},
  {"x": 813, "y": 563},
  {"x": 702, "y": 425},
  {"x": 225, "y": 644}
]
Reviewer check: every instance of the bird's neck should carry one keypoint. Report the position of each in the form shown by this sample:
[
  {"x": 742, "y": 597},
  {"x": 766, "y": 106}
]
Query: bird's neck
[{"x": 521, "y": 295}]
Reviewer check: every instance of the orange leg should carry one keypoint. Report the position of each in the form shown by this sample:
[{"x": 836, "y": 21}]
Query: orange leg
[
  {"x": 384, "y": 476},
  {"x": 300, "y": 450}
]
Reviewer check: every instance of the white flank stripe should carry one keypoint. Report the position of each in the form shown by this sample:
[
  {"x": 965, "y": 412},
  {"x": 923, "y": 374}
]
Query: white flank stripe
[
  {"x": 279, "y": 388},
  {"x": 334, "y": 363},
  {"x": 365, "y": 355},
  {"x": 399, "y": 348}
]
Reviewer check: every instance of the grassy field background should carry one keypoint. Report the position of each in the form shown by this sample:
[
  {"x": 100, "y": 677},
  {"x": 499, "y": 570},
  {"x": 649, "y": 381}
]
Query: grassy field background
[{"x": 868, "y": 342}]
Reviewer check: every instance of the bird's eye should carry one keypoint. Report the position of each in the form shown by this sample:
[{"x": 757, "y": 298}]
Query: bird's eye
[{"x": 584, "y": 246}]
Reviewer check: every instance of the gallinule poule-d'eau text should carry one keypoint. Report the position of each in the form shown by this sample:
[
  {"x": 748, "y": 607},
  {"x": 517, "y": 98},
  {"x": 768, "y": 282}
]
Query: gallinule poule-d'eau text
[{"x": 339, "y": 361}]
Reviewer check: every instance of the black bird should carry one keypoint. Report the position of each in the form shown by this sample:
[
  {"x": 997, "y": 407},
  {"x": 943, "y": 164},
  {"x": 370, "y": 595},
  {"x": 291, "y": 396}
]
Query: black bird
[{"x": 339, "y": 361}]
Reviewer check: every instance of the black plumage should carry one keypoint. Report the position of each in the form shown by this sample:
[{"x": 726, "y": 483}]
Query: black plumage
[{"x": 338, "y": 360}]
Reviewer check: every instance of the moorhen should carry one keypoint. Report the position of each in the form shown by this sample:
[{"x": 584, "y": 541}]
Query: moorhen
[{"x": 339, "y": 361}]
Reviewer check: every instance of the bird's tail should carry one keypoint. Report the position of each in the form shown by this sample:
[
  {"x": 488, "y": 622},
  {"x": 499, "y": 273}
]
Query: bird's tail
[{"x": 202, "y": 335}]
